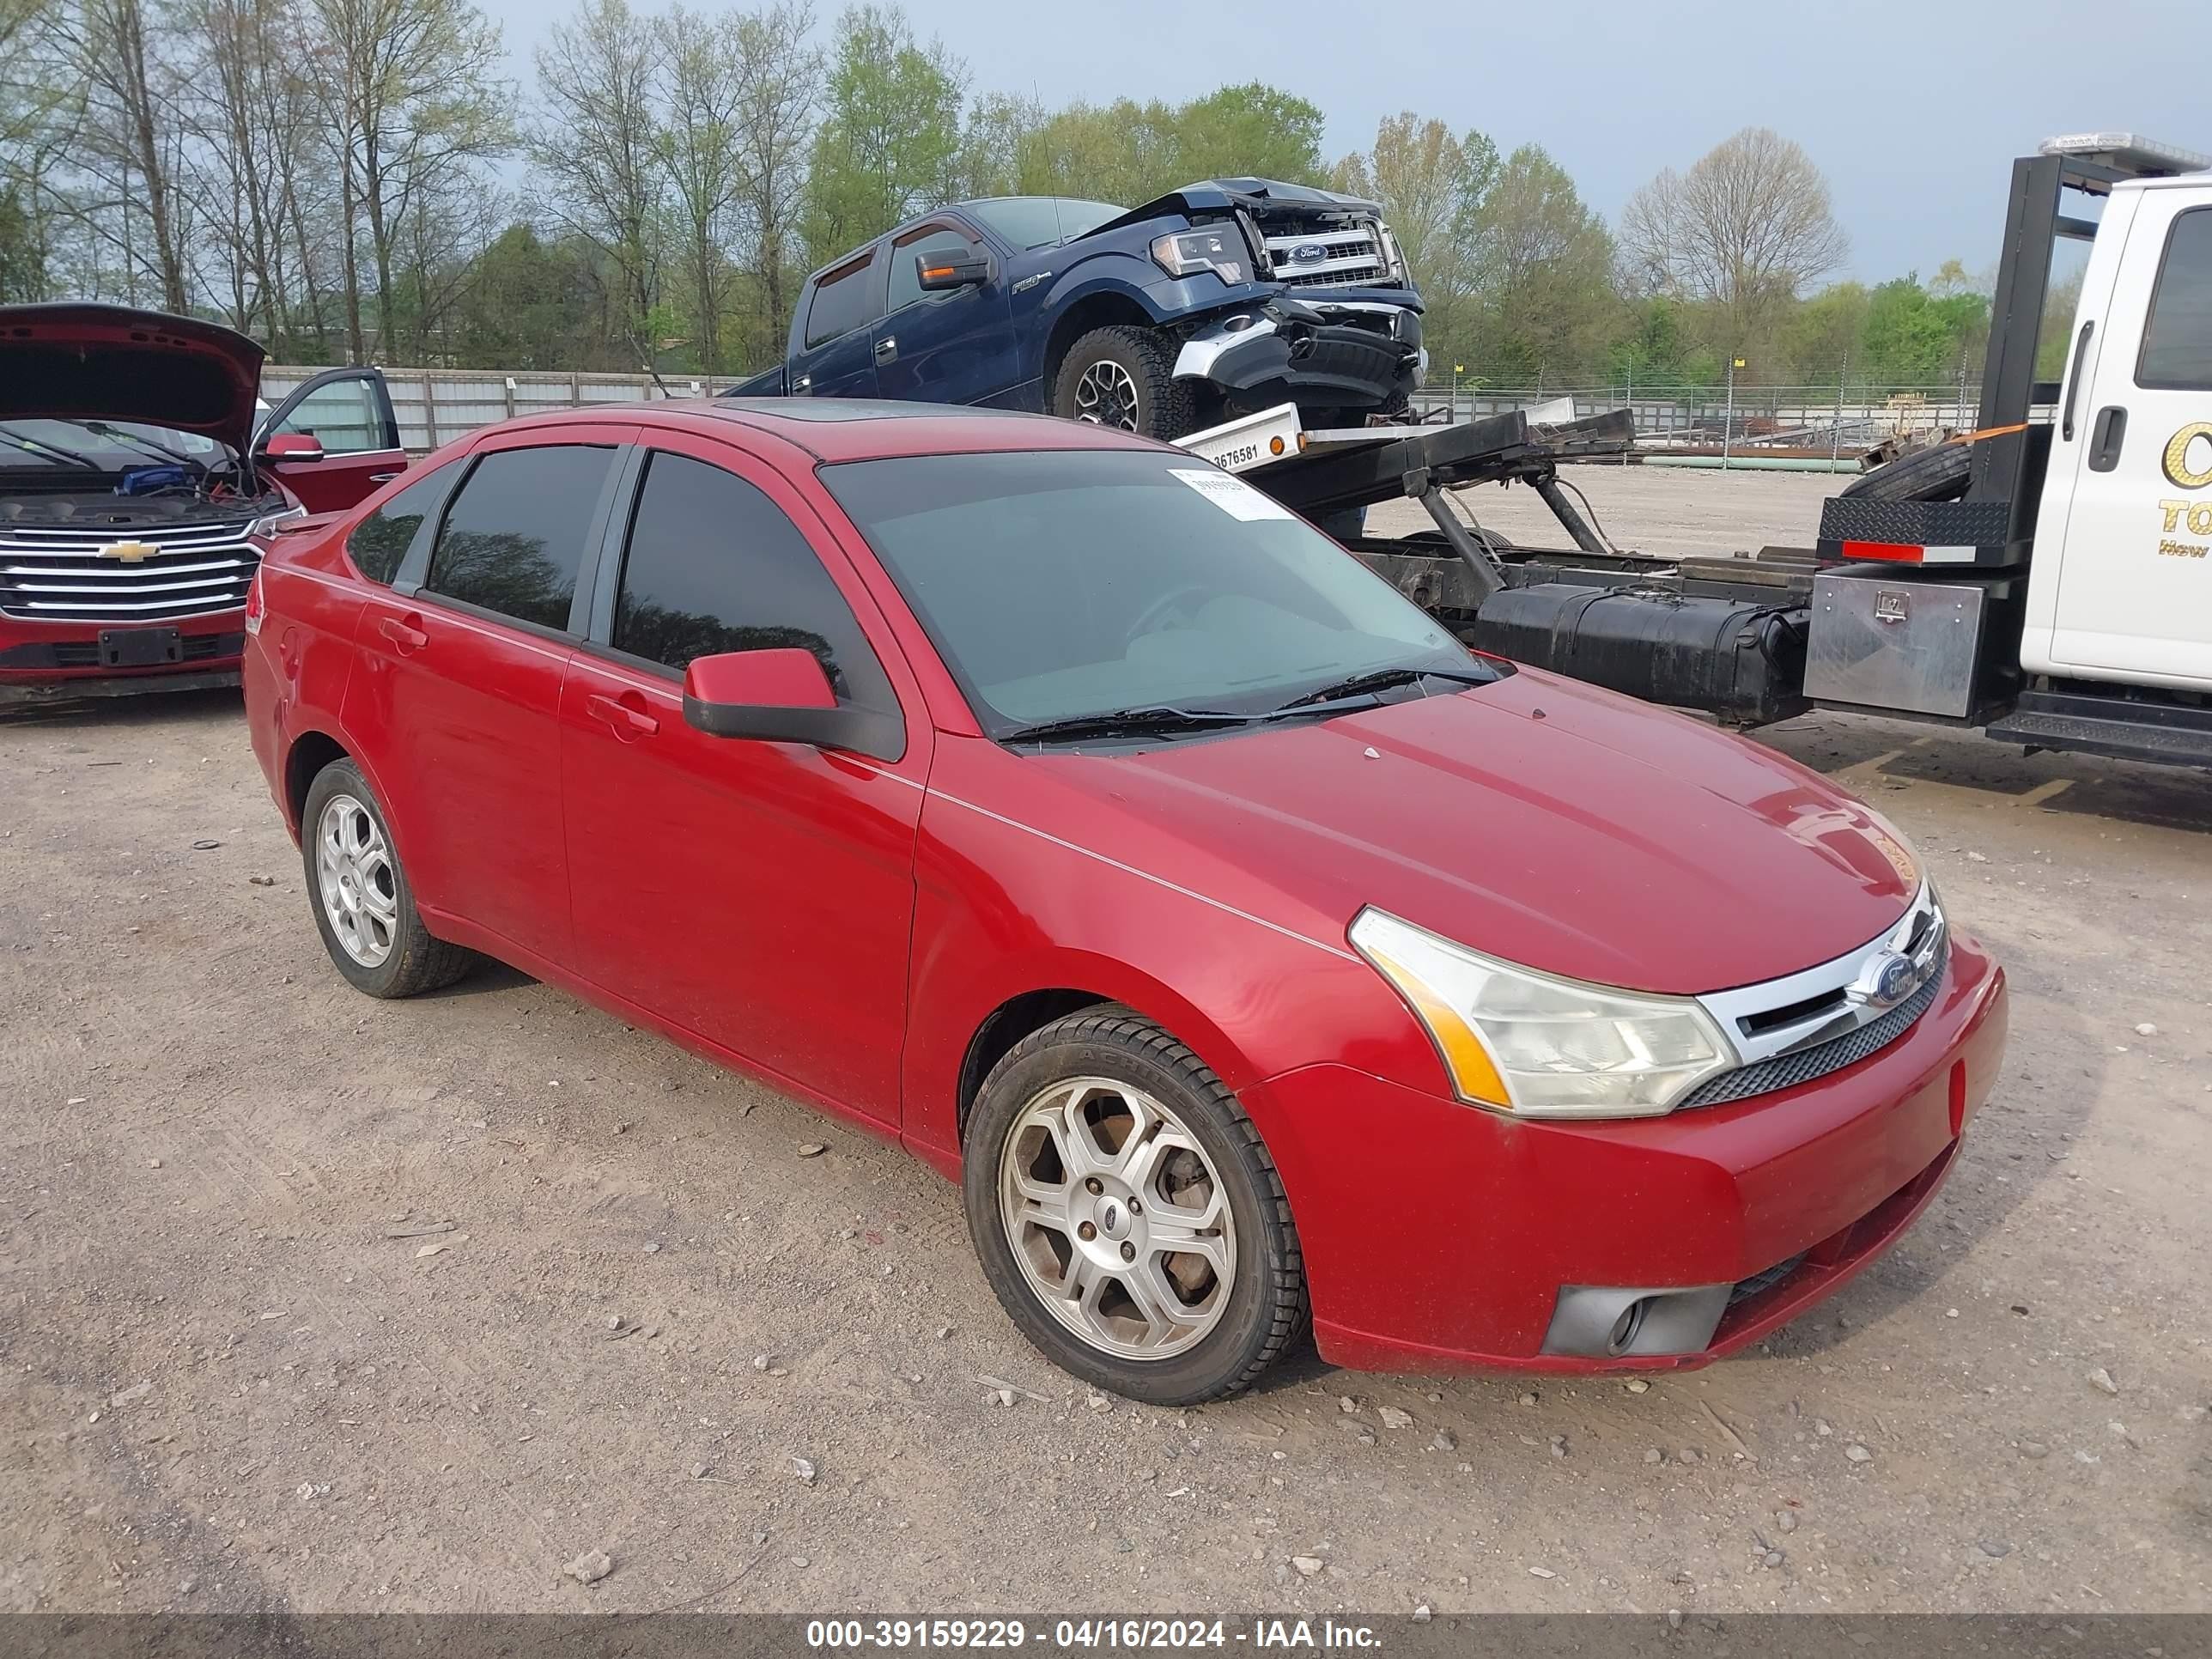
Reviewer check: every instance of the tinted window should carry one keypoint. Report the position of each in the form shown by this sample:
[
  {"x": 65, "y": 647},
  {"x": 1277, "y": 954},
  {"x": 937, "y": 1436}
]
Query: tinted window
[
  {"x": 943, "y": 243},
  {"x": 346, "y": 417},
  {"x": 2177, "y": 348},
  {"x": 1065, "y": 583},
  {"x": 840, "y": 303},
  {"x": 380, "y": 541},
  {"x": 714, "y": 566},
  {"x": 515, "y": 539}
]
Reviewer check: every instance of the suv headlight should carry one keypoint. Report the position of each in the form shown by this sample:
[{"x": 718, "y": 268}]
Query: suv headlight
[
  {"x": 1219, "y": 249},
  {"x": 267, "y": 523},
  {"x": 1539, "y": 1046}
]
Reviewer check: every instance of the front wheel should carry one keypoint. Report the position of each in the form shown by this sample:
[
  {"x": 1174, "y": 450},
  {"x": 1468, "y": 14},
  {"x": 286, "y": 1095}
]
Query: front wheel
[
  {"x": 1123, "y": 377},
  {"x": 1127, "y": 1215}
]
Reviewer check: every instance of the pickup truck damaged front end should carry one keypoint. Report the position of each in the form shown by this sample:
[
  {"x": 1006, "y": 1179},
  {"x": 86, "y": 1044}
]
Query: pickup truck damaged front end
[{"x": 1323, "y": 312}]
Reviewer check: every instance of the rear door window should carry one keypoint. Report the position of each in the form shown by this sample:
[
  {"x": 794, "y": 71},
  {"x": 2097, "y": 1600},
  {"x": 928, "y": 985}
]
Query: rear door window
[
  {"x": 380, "y": 541},
  {"x": 2177, "y": 348},
  {"x": 713, "y": 565},
  {"x": 513, "y": 540},
  {"x": 841, "y": 302}
]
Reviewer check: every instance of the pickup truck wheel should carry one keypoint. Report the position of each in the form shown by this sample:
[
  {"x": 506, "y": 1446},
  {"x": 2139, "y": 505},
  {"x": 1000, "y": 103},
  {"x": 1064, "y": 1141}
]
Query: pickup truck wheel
[
  {"x": 363, "y": 907},
  {"x": 1127, "y": 1215},
  {"x": 1124, "y": 377}
]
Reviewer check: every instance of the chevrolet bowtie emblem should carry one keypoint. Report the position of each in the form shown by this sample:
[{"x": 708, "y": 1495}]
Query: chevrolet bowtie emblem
[{"x": 129, "y": 552}]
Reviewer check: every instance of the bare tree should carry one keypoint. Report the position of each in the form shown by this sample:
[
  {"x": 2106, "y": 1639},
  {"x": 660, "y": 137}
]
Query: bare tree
[
  {"x": 782, "y": 73},
  {"x": 413, "y": 103},
  {"x": 704, "y": 85},
  {"x": 1432, "y": 184},
  {"x": 128, "y": 142},
  {"x": 1748, "y": 228},
  {"x": 597, "y": 147}
]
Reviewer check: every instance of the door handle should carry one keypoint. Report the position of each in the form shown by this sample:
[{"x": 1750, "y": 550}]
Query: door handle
[
  {"x": 2074, "y": 382},
  {"x": 801, "y": 384},
  {"x": 887, "y": 348},
  {"x": 408, "y": 638},
  {"x": 2105, "y": 441},
  {"x": 382, "y": 477},
  {"x": 628, "y": 722}
]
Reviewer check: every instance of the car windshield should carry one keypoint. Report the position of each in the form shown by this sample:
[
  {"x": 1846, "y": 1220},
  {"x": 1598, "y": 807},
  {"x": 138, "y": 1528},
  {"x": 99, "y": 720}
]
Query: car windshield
[
  {"x": 111, "y": 445},
  {"x": 1029, "y": 221},
  {"x": 1064, "y": 583}
]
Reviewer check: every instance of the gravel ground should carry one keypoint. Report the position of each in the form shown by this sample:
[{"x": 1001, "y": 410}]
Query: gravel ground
[{"x": 244, "y": 1372}]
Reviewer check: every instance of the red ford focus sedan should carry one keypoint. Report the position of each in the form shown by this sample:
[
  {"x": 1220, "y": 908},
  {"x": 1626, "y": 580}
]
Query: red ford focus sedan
[{"x": 1250, "y": 952}]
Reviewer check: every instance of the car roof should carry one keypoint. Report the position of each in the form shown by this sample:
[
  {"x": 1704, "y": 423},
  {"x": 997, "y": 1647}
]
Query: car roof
[{"x": 832, "y": 429}]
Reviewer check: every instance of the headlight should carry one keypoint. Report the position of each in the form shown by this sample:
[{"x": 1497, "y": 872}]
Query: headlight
[
  {"x": 1538, "y": 1046},
  {"x": 267, "y": 523},
  {"x": 1221, "y": 251}
]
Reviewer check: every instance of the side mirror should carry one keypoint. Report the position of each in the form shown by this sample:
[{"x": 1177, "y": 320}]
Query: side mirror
[
  {"x": 782, "y": 696},
  {"x": 938, "y": 274},
  {"x": 290, "y": 447}
]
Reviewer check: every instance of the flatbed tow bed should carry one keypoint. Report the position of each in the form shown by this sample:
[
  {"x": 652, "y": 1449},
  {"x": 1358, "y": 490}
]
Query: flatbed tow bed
[{"x": 1724, "y": 633}]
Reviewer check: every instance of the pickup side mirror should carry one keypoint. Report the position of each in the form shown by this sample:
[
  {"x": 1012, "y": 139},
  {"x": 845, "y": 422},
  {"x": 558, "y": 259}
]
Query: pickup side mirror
[
  {"x": 289, "y": 446},
  {"x": 782, "y": 696},
  {"x": 939, "y": 275}
]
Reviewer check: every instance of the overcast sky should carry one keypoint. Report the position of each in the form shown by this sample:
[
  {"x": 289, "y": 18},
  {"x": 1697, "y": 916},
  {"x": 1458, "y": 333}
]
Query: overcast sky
[{"x": 1912, "y": 111}]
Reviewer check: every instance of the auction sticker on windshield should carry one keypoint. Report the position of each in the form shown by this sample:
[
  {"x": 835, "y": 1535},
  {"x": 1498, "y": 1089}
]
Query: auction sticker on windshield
[{"x": 1232, "y": 495}]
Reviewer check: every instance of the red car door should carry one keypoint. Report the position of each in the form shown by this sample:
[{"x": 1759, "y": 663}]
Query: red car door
[
  {"x": 456, "y": 694},
  {"x": 348, "y": 412},
  {"x": 758, "y": 896}
]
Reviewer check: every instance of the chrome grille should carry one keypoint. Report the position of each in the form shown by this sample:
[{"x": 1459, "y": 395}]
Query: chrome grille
[
  {"x": 1352, "y": 256},
  {"x": 56, "y": 573},
  {"x": 1787, "y": 1071}
]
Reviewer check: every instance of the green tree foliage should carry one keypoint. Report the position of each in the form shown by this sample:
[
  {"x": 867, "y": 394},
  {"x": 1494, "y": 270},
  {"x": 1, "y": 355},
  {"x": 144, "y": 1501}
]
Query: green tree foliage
[
  {"x": 1543, "y": 264},
  {"x": 890, "y": 133}
]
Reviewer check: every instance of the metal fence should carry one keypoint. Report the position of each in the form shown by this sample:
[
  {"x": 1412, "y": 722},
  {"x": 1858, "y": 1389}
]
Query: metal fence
[
  {"x": 436, "y": 405},
  {"x": 1799, "y": 420}
]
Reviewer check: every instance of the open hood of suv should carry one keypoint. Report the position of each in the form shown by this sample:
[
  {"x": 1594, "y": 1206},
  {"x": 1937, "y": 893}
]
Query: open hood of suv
[{"x": 97, "y": 363}]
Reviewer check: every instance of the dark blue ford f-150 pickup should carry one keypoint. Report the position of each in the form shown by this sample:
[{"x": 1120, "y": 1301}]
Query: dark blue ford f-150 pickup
[{"x": 1224, "y": 298}]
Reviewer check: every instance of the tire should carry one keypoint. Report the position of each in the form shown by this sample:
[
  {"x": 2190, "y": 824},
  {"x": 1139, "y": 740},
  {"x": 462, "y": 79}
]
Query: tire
[
  {"x": 363, "y": 907},
  {"x": 1937, "y": 474},
  {"x": 1091, "y": 1074},
  {"x": 1124, "y": 377}
]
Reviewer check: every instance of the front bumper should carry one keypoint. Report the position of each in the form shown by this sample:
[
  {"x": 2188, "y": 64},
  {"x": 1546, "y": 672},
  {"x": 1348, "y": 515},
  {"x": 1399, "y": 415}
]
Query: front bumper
[
  {"x": 1289, "y": 354},
  {"x": 1438, "y": 1237},
  {"x": 43, "y": 661}
]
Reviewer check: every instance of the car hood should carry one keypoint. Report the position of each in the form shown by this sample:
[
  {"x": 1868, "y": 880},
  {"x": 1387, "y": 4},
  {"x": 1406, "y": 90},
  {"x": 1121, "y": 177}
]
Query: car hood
[
  {"x": 1263, "y": 198},
  {"x": 1540, "y": 820},
  {"x": 84, "y": 362}
]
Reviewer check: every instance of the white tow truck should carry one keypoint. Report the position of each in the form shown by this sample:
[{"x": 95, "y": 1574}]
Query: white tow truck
[{"x": 2046, "y": 578}]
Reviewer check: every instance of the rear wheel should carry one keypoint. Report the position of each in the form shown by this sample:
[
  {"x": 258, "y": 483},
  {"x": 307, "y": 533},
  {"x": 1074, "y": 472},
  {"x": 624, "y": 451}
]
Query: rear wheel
[
  {"x": 1123, "y": 377},
  {"x": 363, "y": 907},
  {"x": 1127, "y": 1215}
]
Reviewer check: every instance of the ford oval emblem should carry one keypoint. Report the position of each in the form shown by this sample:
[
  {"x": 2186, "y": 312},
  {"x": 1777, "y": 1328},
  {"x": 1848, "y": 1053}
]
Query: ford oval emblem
[
  {"x": 1890, "y": 980},
  {"x": 1306, "y": 253}
]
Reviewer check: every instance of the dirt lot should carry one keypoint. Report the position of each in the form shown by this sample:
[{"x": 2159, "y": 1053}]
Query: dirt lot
[{"x": 231, "y": 1385}]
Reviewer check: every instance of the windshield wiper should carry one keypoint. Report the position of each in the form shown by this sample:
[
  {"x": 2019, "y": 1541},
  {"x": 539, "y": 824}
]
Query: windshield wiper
[
  {"x": 40, "y": 446},
  {"x": 1126, "y": 723},
  {"x": 199, "y": 467},
  {"x": 1380, "y": 680}
]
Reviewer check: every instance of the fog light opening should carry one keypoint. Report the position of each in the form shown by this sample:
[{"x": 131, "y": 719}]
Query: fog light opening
[{"x": 1622, "y": 1336}]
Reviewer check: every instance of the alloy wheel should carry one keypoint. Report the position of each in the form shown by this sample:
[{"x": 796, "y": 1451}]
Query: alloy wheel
[
  {"x": 359, "y": 889},
  {"x": 1107, "y": 396},
  {"x": 1117, "y": 1221}
]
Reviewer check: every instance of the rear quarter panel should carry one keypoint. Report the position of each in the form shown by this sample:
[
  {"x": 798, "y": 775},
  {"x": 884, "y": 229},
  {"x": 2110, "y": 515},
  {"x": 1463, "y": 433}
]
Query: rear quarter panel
[{"x": 297, "y": 667}]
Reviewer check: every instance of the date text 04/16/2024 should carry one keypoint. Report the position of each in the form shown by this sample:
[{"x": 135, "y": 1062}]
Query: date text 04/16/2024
[{"x": 1087, "y": 1635}]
